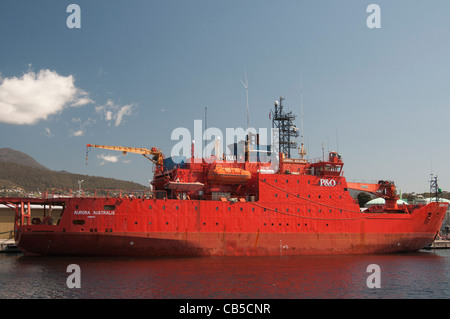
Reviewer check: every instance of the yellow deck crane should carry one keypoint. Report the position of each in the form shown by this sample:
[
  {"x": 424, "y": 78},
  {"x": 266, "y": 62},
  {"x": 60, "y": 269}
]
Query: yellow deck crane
[{"x": 156, "y": 154}]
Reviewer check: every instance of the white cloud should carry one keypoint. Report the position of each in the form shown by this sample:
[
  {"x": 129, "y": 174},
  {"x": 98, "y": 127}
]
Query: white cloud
[
  {"x": 77, "y": 133},
  {"x": 111, "y": 111},
  {"x": 107, "y": 158},
  {"x": 82, "y": 126},
  {"x": 108, "y": 115},
  {"x": 34, "y": 97},
  {"x": 124, "y": 110},
  {"x": 83, "y": 99},
  {"x": 48, "y": 133}
]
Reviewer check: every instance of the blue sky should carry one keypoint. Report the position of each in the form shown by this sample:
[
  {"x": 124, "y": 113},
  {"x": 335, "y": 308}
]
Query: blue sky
[{"x": 136, "y": 70}]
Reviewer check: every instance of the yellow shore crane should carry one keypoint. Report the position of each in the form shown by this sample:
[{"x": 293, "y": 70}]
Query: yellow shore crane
[{"x": 156, "y": 154}]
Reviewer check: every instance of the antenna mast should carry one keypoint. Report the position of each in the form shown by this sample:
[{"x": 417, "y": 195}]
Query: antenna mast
[
  {"x": 246, "y": 89},
  {"x": 286, "y": 128},
  {"x": 434, "y": 188},
  {"x": 206, "y": 126},
  {"x": 301, "y": 150}
]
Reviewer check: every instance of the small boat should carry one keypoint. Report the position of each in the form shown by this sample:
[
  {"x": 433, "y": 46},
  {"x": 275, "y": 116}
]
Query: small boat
[{"x": 185, "y": 187}]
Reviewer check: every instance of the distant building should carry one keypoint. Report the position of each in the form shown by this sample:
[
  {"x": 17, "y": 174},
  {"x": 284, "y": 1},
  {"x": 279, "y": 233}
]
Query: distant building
[{"x": 381, "y": 201}]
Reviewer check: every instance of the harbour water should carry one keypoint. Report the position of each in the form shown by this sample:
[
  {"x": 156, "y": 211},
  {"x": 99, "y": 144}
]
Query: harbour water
[{"x": 424, "y": 274}]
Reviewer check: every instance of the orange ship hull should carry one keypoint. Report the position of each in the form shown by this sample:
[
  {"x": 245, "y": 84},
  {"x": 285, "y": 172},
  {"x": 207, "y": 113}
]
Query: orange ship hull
[
  {"x": 161, "y": 227},
  {"x": 218, "y": 244}
]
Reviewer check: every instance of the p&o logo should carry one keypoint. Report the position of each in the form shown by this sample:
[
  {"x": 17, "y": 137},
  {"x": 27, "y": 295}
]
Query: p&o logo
[{"x": 327, "y": 182}]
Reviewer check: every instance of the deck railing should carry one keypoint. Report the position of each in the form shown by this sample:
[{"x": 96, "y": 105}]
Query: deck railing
[
  {"x": 143, "y": 194},
  {"x": 97, "y": 193}
]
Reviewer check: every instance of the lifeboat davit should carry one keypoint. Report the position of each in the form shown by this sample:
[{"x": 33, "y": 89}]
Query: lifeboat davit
[{"x": 228, "y": 175}]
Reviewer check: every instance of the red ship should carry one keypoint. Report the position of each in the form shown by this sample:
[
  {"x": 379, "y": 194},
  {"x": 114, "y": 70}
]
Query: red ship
[{"x": 222, "y": 207}]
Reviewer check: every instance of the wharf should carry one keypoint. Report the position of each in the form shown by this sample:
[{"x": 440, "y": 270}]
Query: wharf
[
  {"x": 439, "y": 244},
  {"x": 8, "y": 246}
]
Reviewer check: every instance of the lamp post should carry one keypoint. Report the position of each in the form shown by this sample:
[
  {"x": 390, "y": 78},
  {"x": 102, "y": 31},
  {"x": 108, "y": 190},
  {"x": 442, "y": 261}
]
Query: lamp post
[{"x": 79, "y": 187}]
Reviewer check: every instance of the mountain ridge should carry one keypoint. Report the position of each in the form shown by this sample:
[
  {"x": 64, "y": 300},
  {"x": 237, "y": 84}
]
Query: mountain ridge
[
  {"x": 14, "y": 156},
  {"x": 21, "y": 174}
]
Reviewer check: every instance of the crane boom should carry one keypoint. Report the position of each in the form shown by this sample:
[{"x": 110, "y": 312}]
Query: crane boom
[
  {"x": 156, "y": 154},
  {"x": 383, "y": 189}
]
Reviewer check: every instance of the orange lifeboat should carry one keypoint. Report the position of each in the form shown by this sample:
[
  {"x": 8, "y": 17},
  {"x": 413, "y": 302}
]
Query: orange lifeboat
[{"x": 228, "y": 175}]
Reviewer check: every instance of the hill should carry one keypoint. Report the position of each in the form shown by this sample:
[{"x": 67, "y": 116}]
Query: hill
[
  {"x": 20, "y": 174},
  {"x": 12, "y": 156}
]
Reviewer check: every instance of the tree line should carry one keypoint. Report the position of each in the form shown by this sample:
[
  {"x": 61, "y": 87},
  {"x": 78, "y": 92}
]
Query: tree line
[{"x": 31, "y": 179}]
